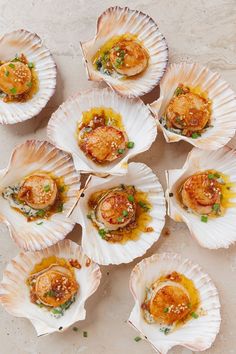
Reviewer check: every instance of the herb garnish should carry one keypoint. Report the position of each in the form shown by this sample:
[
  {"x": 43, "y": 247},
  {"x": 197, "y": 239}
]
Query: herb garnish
[
  {"x": 130, "y": 144},
  {"x": 102, "y": 233},
  {"x": 137, "y": 339},
  {"x": 204, "y": 218},
  {"x": 60, "y": 208},
  {"x": 121, "y": 151},
  {"x": 13, "y": 90},
  {"x": 125, "y": 213},
  {"x": 195, "y": 135},
  {"x": 41, "y": 213},
  {"x": 131, "y": 198},
  {"x": 47, "y": 188},
  {"x": 7, "y": 73},
  {"x": 194, "y": 315},
  {"x": 166, "y": 309},
  {"x": 216, "y": 207},
  {"x": 31, "y": 65},
  {"x": 11, "y": 65}
]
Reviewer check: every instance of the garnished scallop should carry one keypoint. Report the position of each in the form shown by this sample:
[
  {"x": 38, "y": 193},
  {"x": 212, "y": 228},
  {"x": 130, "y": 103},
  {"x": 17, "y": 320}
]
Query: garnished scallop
[
  {"x": 200, "y": 192},
  {"x": 104, "y": 144},
  {"x": 188, "y": 111},
  {"x": 15, "y": 78},
  {"x": 170, "y": 303},
  {"x": 39, "y": 191},
  {"x": 128, "y": 57},
  {"x": 115, "y": 210},
  {"x": 176, "y": 303},
  {"x": 54, "y": 287}
]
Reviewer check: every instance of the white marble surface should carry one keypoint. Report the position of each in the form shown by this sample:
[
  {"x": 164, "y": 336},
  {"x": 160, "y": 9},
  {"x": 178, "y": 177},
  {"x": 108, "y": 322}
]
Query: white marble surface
[{"x": 203, "y": 31}]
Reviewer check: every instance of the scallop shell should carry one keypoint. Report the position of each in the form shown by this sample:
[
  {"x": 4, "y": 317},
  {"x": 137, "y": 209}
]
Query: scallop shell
[
  {"x": 32, "y": 156},
  {"x": 197, "y": 334},
  {"x": 14, "y": 292},
  {"x": 22, "y": 41},
  {"x": 104, "y": 252},
  {"x": 137, "y": 121},
  {"x": 118, "y": 21},
  {"x": 219, "y": 92},
  {"x": 218, "y": 232}
]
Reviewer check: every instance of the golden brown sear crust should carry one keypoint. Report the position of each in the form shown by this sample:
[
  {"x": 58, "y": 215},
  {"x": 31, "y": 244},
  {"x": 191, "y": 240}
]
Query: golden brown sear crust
[
  {"x": 15, "y": 78},
  {"x": 38, "y": 191},
  {"x": 200, "y": 193},
  {"x": 170, "y": 304},
  {"x": 104, "y": 144},
  {"x": 53, "y": 288},
  {"x": 131, "y": 58},
  {"x": 189, "y": 112},
  {"x": 115, "y": 210}
]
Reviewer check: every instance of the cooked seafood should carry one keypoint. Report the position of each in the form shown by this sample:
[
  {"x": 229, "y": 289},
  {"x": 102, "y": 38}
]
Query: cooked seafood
[
  {"x": 52, "y": 284},
  {"x": 176, "y": 303},
  {"x": 170, "y": 301},
  {"x": 123, "y": 54},
  {"x": 38, "y": 196},
  {"x": 18, "y": 79},
  {"x": 188, "y": 112},
  {"x": 101, "y": 135},
  {"x": 128, "y": 52},
  {"x": 120, "y": 213}
]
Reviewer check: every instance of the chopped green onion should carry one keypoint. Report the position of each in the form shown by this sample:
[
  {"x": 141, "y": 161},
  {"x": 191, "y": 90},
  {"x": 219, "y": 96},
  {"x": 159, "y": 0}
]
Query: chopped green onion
[
  {"x": 143, "y": 205},
  {"x": 13, "y": 90},
  {"x": 39, "y": 223},
  {"x": 56, "y": 311},
  {"x": 130, "y": 144},
  {"x": 211, "y": 176},
  {"x": 31, "y": 65},
  {"x": 117, "y": 49},
  {"x": 120, "y": 219},
  {"x": 216, "y": 207},
  {"x": 194, "y": 315},
  {"x": 62, "y": 189},
  {"x": 121, "y": 151},
  {"x": 204, "y": 218},
  {"x": 216, "y": 175},
  {"x": 60, "y": 208},
  {"x": 178, "y": 91},
  {"x": 195, "y": 135},
  {"x": 125, "y": 213},
  {"x": 102, "y": 233},
  {"x": 7, "y": 73},
  {"x": 50, "y": 293},
  {"x": 131, "y": 198},
  {"x": 41, "y": 213},
  {"x": 85, "y": 334},
  {"x": 166, "y": 309},
  {"x": 29, "y": 84},
  {"x": 89, "y": 216},
  {"x": 47, "y": 188},
  {"x": 137, "y": 339},
  {"x": 11, "y": 65}
]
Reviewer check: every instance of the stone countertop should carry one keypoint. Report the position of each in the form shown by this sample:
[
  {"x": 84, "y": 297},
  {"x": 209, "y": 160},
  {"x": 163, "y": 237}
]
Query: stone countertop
[{"x": 202, "y": 31}]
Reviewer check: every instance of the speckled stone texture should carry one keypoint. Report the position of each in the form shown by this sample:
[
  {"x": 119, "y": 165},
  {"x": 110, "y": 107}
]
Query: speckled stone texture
[{"x": 202, "y": 31}]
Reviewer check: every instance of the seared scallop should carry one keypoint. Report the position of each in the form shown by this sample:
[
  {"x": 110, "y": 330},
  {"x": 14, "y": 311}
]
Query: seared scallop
[
  {"x": 15, "y": 78},
  {"x": 188, "y": 111},
  {"x": 116, "y": 209},
  {"x": 54, "y": 287},
  {"x": 170, "y": 304},
  {"x": 39, "y": 191},
  {"x": 128, "y": 57},
  {"x": 104, "y": 144},
  {"x": 200, "y": 193}
]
